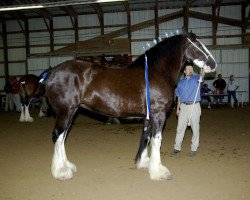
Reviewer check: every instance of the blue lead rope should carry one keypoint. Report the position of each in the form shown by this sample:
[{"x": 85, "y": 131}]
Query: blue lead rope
[{"x": 147, "y": 88}]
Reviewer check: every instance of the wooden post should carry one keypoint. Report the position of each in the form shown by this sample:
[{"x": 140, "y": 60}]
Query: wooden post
[{"x": 5, "y": 49}]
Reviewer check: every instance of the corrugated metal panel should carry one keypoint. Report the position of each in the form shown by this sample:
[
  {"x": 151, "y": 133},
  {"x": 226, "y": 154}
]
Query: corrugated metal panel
[
  {"x": 17, "y": 54},
  {"x": 16, "y": 39},
  {"x": 88, "y": 20},
  {"x": 2, "y": 83},
  {"x": 139, "y": 48},
  {"x": 54, "y": 61},
  {"x": 1, "y": 55},
  {"x": 2, "y": 70},
  {"x": 39, "y": 50},
  {"x": 64, "y": 37},
  {"x": 232, "y": 62},
  {"x": 62, "y": 22},
  {"x": 224, "y": 29},
  {"x": 115, "y": 18},
  {"x": 38, "y": 65},
  {"x": 39, "y": 38},
  {"x": 141, "y": 16},
  {"x": 216, "y": 54},
  {"x": 234, "y": 55},
  {"x": 37, "y": 24},
  {"x": 13, "y": 25},
  {"x": 144, "y": 33},
  {"x": 170, "y": 27},
  {"x": 200, "y": 27},
  {"x": 228, "y": 41},
  {"x": 226, "y": 11},
  {"x": 86, "y": 34},
  {"x": 16, "y": 68}
]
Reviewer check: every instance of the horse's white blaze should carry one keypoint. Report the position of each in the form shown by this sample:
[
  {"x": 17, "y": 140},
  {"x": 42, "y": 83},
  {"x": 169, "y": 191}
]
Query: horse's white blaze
[
  {"x": 199, "y": 63},
  {"x": 61, "y": 168},
  {"x": 144, "y": 161},
  {"x": 202, "y": 64},
  {"x": 156, "y": 170},
  {"x": 205, "y": 48}
]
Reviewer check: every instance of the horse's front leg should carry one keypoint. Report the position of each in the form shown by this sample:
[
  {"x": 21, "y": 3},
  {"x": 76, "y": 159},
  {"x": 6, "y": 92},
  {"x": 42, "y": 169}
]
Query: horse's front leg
[{"x": 157, "y": 171}]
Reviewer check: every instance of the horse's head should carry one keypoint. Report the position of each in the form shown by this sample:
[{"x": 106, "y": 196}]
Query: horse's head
[{"x": 199, "y": 54}]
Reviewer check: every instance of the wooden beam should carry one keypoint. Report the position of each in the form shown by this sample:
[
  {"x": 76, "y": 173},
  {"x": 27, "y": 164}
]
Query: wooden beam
[
  {"x": 185, "y": 17},
  {"x": 5, "y": 50},
  {"x": 214, "y": 25},
  {"x": 51, "y": 35},
  {"x": 222, "y": 20},
  {"x": 122, "y": 31},
  {"x": 99, "y": 12},
  {"x": 156, "y": 20},
  {"x": 126, "y": 5}
]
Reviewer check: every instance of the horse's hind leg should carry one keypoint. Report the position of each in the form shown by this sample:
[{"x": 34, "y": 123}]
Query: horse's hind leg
[
  {"x": 142, "y": 158},
  {"x": 61, "y": 168}
]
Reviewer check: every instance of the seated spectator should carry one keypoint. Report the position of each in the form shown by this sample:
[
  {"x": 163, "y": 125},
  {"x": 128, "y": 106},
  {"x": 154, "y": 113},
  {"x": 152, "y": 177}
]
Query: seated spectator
[{"x": 204, "y": 91}]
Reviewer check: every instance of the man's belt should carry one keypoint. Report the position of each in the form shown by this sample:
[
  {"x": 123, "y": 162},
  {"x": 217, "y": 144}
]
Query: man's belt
[{"x": 190, "y": 102}]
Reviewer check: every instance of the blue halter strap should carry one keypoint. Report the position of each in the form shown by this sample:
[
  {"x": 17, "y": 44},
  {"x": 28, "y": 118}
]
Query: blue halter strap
[{"x": 147, "y": 88}]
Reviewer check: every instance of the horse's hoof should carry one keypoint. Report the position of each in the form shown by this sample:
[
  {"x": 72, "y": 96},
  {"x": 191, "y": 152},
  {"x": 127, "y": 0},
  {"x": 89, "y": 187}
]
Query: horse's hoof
[
  {"x": 71, "y": 166},
  {"x": 63, "y": 173},
  {"x": 160, "y": 173}
]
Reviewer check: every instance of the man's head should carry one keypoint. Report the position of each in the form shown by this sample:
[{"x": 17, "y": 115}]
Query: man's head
[
  {"x": 231, "y": 77},
  {"x": 219, "y": 76},
  {"x": 189, "y": 70}
]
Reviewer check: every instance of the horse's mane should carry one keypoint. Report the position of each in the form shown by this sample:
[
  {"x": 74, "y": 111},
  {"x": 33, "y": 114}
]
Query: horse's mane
[{"x": 161, "y": 50}]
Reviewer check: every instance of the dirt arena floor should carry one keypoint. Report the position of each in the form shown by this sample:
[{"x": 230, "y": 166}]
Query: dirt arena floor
[{"x": 104, "y": 156}]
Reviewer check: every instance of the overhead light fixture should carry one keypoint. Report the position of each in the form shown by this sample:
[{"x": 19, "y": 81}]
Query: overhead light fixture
[{"x": 53, "y": 4}]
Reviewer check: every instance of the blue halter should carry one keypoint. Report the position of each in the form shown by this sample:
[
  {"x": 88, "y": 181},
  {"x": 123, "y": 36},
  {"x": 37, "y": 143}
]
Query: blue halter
[{"x": 147, "y": 88}]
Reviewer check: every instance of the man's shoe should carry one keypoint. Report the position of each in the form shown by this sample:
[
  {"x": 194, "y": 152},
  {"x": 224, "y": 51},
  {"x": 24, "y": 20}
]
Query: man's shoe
[
  {"x": 175, "y": 152},
  {"x": 193, "y": 153}
]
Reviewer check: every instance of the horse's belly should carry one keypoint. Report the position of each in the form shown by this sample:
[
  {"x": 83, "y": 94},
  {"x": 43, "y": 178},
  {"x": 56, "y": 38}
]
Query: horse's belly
[{"x": 115, "y": 105}]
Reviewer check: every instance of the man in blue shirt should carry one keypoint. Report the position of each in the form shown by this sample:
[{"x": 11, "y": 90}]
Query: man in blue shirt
[{"x": 186, "y": 93}]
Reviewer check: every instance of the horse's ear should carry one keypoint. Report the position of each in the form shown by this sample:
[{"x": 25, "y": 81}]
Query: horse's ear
[
  {"x": 192, "y": 36},
  {"x": 184, "y": 31}
]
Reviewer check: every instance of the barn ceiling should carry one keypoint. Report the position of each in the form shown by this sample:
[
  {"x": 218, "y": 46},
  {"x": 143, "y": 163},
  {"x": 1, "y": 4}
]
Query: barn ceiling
[{"x": 17, "y": 9}]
